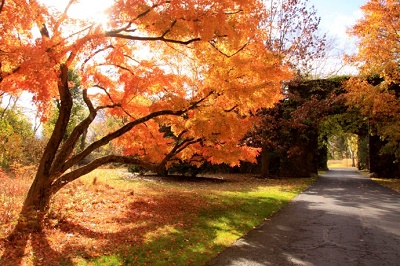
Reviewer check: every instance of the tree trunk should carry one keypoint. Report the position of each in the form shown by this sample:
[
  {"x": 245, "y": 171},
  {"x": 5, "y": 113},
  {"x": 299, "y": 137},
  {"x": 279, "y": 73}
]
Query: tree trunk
[
  {"x": 353, "y": 159},
  {"x": 161, "y": 170},
  {"x": 29, "y": 222},
  {"x": 265, "y": 159},
  {"x": 35, "y": 205}
]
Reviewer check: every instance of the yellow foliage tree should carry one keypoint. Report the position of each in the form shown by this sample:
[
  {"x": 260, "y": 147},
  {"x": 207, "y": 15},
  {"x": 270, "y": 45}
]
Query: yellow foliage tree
[{"x": 376, "y": 90}]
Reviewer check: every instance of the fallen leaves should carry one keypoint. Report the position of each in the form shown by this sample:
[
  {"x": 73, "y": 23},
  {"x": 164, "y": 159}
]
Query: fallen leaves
[{"x": 89, "y": 220}]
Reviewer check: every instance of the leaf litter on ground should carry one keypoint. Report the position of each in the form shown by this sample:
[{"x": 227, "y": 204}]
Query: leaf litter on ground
[{"x": 112, "y": 215}]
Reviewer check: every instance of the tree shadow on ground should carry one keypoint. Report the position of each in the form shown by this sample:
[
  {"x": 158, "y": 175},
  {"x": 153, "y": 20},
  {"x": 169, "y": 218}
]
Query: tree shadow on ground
[
  {"x": 146, "y": 223},
  {"x": 140, "y": 218},
  {"x": 15, "y": 249}
]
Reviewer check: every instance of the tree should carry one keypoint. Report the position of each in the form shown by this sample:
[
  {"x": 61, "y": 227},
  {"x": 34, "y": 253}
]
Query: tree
[
  {"x": 40, "y": 46},
  {"x": 376, "y": 90},
  {"x": 291, "y": 29},
  {"x": 291, "y": 32},
  {"x": 18, "y": 144},
  {"x": 292, "y": 132}
]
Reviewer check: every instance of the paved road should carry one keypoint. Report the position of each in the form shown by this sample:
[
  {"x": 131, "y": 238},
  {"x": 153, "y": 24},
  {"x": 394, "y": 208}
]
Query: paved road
[{"x": 342, "y": 219}]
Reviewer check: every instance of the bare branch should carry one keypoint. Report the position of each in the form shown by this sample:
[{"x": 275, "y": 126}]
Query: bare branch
[
  {"x": 124, "y": 28},
  {"x": 170, "y": 28},
  {"x": 68, "y": 6},
  {"x": 231, "y": 109},
  {"x": 234, "y": 12},
  {"x": 106, "y": 92}
]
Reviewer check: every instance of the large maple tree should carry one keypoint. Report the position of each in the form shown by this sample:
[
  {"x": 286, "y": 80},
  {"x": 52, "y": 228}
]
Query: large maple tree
[
  {"x": 198, "y": 67},
  {"x": 376, "y": 90}
]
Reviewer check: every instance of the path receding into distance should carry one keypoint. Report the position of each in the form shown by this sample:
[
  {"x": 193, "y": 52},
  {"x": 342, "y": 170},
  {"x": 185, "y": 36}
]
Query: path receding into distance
[{"x": 344, "y": 218}]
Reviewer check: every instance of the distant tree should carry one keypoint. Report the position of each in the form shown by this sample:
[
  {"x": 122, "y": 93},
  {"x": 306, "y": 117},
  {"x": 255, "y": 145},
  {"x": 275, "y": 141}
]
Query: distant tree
[
  {"x": 18, "y": 143},
  {"x": 292, "y": 31},
  {"x": 290, "y": 132}
]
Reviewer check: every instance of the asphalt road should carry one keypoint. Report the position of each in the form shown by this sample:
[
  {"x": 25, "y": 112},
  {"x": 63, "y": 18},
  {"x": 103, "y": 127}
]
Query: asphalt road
[{"x": 342, "y": 219}]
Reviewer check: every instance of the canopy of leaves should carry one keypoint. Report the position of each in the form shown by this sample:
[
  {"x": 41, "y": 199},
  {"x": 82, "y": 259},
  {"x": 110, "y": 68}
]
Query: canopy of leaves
[
  {"x": 195, "y": 67},
  {"x": 376, "y": 91}
]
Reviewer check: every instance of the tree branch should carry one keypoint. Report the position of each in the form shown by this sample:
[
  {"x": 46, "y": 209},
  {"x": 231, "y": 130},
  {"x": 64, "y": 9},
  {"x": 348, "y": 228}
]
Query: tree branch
[
  {"x": 2, "y": 5},
  {"x": 138, "y": 38},
  {"x": 95, "y": 53},
  {"x": 213, "y": 44},
  {"x": 44, "y": 31},
  {"x": 113, "y": 135},
  {"x": 60, "y": 127},
  {"x": 68, "y": 6},
  {"x": 170, "y": 28},
  {"x": 75, "y": 174},
  {"x": 144, "y": 13},
  {"x": 69, "y": 145}
]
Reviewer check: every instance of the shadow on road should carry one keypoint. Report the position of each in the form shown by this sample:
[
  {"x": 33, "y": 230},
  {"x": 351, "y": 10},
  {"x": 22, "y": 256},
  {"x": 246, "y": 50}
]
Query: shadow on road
[{"x": 342, "y": 219}]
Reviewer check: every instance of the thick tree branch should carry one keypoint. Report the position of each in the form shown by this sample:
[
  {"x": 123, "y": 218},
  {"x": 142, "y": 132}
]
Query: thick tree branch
[
  {"x": 44, "y": 31},
  {"x": 127, "y": 127},
  {"x": 75, "y": 174},
  {"x": 2, "y": 5},
  {"x": 60, "y": 127},
  {"x": 69, "y": 145}
]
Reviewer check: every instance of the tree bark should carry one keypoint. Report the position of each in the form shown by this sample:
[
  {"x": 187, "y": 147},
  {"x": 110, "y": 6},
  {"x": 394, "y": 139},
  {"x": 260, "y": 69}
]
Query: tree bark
[{"x": 265, "y": 160}]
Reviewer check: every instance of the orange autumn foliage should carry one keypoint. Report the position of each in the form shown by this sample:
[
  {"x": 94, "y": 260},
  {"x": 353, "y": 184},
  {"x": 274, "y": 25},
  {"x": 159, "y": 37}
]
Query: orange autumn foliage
[
  {"x": 197, "y": 67},
  {"x": 375, "y": 91}
]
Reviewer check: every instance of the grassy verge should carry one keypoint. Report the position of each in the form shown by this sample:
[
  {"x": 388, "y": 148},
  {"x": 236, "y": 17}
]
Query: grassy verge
[
  {"x": 112, "y": 218},
  {"x": 391, "y": 183}
]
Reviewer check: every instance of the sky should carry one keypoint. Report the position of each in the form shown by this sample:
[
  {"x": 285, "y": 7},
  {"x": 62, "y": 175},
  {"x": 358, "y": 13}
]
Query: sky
[{"x": 338, "y": 15}]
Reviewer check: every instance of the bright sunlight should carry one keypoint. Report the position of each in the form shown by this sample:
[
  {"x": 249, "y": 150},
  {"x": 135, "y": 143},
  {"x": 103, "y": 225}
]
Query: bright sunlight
[{"x": 83, "y": 9}]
